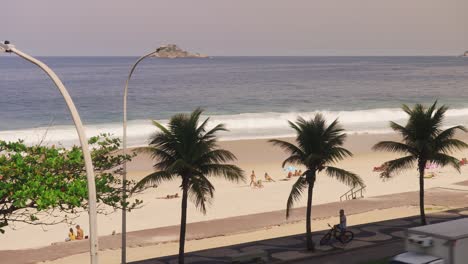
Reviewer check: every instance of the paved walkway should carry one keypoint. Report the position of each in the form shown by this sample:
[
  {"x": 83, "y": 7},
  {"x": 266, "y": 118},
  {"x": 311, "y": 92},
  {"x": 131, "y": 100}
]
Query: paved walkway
[
  {"x": 291, "y": 248},
  {"x": 454, "y": 195}
]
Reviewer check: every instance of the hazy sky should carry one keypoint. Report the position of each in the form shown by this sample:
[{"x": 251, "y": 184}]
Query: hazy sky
[{"x": 237, "y": 27}]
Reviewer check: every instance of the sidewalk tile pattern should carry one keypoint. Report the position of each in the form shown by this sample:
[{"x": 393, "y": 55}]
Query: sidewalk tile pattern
[{"x": 292, "y": 247}]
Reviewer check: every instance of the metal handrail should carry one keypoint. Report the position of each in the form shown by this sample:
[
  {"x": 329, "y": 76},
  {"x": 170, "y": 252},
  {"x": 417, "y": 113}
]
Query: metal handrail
[{"x": 352, "y": 193}]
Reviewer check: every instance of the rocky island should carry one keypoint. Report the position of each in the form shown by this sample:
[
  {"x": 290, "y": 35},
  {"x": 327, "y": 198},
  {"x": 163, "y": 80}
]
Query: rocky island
[{"x": 172, "y": 51}]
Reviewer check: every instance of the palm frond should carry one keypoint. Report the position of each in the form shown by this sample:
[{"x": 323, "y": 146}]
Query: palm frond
[
  {"x": 442, "y": 159},
  {"x": 296, "y": 193},
  {"x": 449, "y": 145},
  {"x": 228, "y": 171},
  {"x": 399, "y": 129},
  {"x": 214, "y": 130},
  {"x": 287, "y": 146},
  {"x": 160, "y": 126},
  {"x": 397, "y": 165},
  {"x": 336, "y": 154},
  {"x": 293, "y": 160},
  {"x": 153, "y": 179},
  {"x": 344, "y": 176},
  {"x": 201, "y": 192},
  {"x": 449, "y": 133},
  {"x": 216, "y": 156},
  {"x": 392, "y": 146}
]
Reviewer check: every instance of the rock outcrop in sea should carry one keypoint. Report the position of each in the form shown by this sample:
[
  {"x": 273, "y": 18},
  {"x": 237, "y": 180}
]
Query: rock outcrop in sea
[{"x": 172, "y": 51}]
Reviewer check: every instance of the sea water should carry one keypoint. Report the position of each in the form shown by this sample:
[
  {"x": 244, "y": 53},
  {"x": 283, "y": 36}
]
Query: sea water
[{"x": 253, "y": 96}]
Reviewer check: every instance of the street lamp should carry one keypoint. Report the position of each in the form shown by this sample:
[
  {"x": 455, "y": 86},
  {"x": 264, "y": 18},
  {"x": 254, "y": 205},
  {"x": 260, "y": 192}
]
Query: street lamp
[
  {"x": 124, "y": 145},
  {"x": 93, "y": 235}
]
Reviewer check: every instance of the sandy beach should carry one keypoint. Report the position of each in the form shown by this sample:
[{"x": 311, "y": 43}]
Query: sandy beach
[{"x": 241, "y": 199}]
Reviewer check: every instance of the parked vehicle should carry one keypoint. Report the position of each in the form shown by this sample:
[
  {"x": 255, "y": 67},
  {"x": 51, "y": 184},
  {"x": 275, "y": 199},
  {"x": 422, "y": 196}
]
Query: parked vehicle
[{"x": 443, "y": 243}]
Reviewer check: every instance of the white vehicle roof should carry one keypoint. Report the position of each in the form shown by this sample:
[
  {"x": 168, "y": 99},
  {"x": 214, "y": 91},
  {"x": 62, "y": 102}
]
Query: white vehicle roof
[
  {"x": 449, "y": 230},
  {"x": 414, "y": 258}
]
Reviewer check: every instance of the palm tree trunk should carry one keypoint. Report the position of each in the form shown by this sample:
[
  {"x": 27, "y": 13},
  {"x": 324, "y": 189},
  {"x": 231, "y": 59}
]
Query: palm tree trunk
[
  {"x": 183, "y": 221},
  {"x": 310, "y": 242},
  {"x": 422, "y": 167}
]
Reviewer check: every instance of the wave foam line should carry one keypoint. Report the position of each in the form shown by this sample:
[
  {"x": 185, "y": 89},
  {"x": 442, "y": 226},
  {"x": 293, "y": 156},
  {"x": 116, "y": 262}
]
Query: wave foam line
[{"x": 241, "y": 126}]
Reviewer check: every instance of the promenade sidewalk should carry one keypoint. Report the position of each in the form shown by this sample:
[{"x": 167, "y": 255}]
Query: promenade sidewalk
[
  {"x": 455, "y": 197},
  {"x": 291, "y": 248}
]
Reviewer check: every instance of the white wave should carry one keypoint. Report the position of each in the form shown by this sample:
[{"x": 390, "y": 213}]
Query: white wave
[{"x": 241, "y": 126}]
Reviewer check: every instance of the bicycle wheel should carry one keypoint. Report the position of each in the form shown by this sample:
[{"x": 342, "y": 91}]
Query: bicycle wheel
[
  {"x": 346, "y": 237},
  {"x": 325, "y": 239}
]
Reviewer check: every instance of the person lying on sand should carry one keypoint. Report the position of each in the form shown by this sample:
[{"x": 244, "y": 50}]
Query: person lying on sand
[
  {"x": 258, "y": 184},
  {"x": 253, "y": 178},
  {"x": 268, "y": 178},
  {"x": 172, "y": 196},
  {"x": 463, "y": 162},
  {"x": 380, "y": 168}
]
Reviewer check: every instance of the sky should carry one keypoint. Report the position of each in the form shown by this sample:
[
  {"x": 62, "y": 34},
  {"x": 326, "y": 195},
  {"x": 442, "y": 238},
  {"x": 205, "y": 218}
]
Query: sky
[{"x": 237, "y": 27}]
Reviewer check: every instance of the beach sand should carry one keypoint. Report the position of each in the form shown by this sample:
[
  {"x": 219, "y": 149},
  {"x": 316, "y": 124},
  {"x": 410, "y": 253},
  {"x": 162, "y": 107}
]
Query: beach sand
[{"x": 233, "y": 199}]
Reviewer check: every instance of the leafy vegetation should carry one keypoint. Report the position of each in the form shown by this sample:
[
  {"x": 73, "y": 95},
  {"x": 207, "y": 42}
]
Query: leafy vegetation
[{"x": 45, "y": 185}]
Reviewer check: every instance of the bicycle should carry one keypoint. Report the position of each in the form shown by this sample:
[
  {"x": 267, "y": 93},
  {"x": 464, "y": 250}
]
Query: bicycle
[{"x": 336, "y": 233}]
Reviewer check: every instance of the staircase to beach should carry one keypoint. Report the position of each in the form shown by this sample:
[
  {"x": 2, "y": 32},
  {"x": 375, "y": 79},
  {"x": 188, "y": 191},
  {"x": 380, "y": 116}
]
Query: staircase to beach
[{"x": 354, "y": 193}]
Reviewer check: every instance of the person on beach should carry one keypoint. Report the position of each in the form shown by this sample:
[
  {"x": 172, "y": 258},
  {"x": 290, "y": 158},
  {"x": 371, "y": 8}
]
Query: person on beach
[
  {"x": 299, "y": 173},
  {"x": 253, "y": 179},
  {"x": 172, "y": 196},
  {"x": 268, "y": 178},
  {"x": 79, "y": 233},
  {"x": 342, "y": 225},
  {"x": 258, "y": 184},
  {"x": 290, "y": 174},
  {"x": 71, "y": 235}
]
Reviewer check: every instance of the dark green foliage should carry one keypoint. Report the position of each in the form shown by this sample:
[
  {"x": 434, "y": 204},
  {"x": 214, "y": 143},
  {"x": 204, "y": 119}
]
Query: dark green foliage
[
  {"x": 188, "y": 152},
  {"x": 423, "y": 141},
  {"x": 318, "y": 146}
]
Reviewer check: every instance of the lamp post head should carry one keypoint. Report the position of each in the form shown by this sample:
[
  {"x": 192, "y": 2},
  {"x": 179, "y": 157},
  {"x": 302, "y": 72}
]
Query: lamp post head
[{"x": 6, "y": 46}]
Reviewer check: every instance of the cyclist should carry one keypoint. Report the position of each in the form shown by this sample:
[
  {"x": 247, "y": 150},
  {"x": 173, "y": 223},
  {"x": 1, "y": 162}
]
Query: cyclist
[{"x": 342, "y": 225}]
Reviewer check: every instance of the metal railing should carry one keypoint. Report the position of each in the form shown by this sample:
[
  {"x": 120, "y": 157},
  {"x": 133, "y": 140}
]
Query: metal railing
[{"x": 352, "y": 193}]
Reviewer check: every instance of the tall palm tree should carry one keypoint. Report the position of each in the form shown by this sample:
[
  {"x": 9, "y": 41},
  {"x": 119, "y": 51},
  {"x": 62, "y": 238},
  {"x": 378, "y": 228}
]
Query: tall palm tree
[
  {"x": 424, "y": 141},
  {"x": 318, "y": 147},
  {"x": 186, "y": 150}
]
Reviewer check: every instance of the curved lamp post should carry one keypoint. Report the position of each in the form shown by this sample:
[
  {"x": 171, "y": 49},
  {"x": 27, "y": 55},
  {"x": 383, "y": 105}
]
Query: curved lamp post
[
  {"x": 124, "y": 149},
  {"x": 93, "y": 236}
]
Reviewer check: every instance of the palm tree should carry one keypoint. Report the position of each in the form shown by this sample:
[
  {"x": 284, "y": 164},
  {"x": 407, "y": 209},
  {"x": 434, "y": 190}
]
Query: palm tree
[
  {"x": 318, "y": 146},
  {"x": 187, "y": 150},
  {"x": 424, "y": 141}
]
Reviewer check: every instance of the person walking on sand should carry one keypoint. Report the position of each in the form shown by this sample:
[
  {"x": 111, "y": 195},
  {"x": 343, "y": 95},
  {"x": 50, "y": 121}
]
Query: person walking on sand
[
  {"x": 268, "y": 178},
  {"x": 253, "y": 179},
  {"x": 79, "y": 233}
]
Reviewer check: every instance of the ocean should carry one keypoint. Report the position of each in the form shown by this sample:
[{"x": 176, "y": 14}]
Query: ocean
[{"x": 253, "y": 96}]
